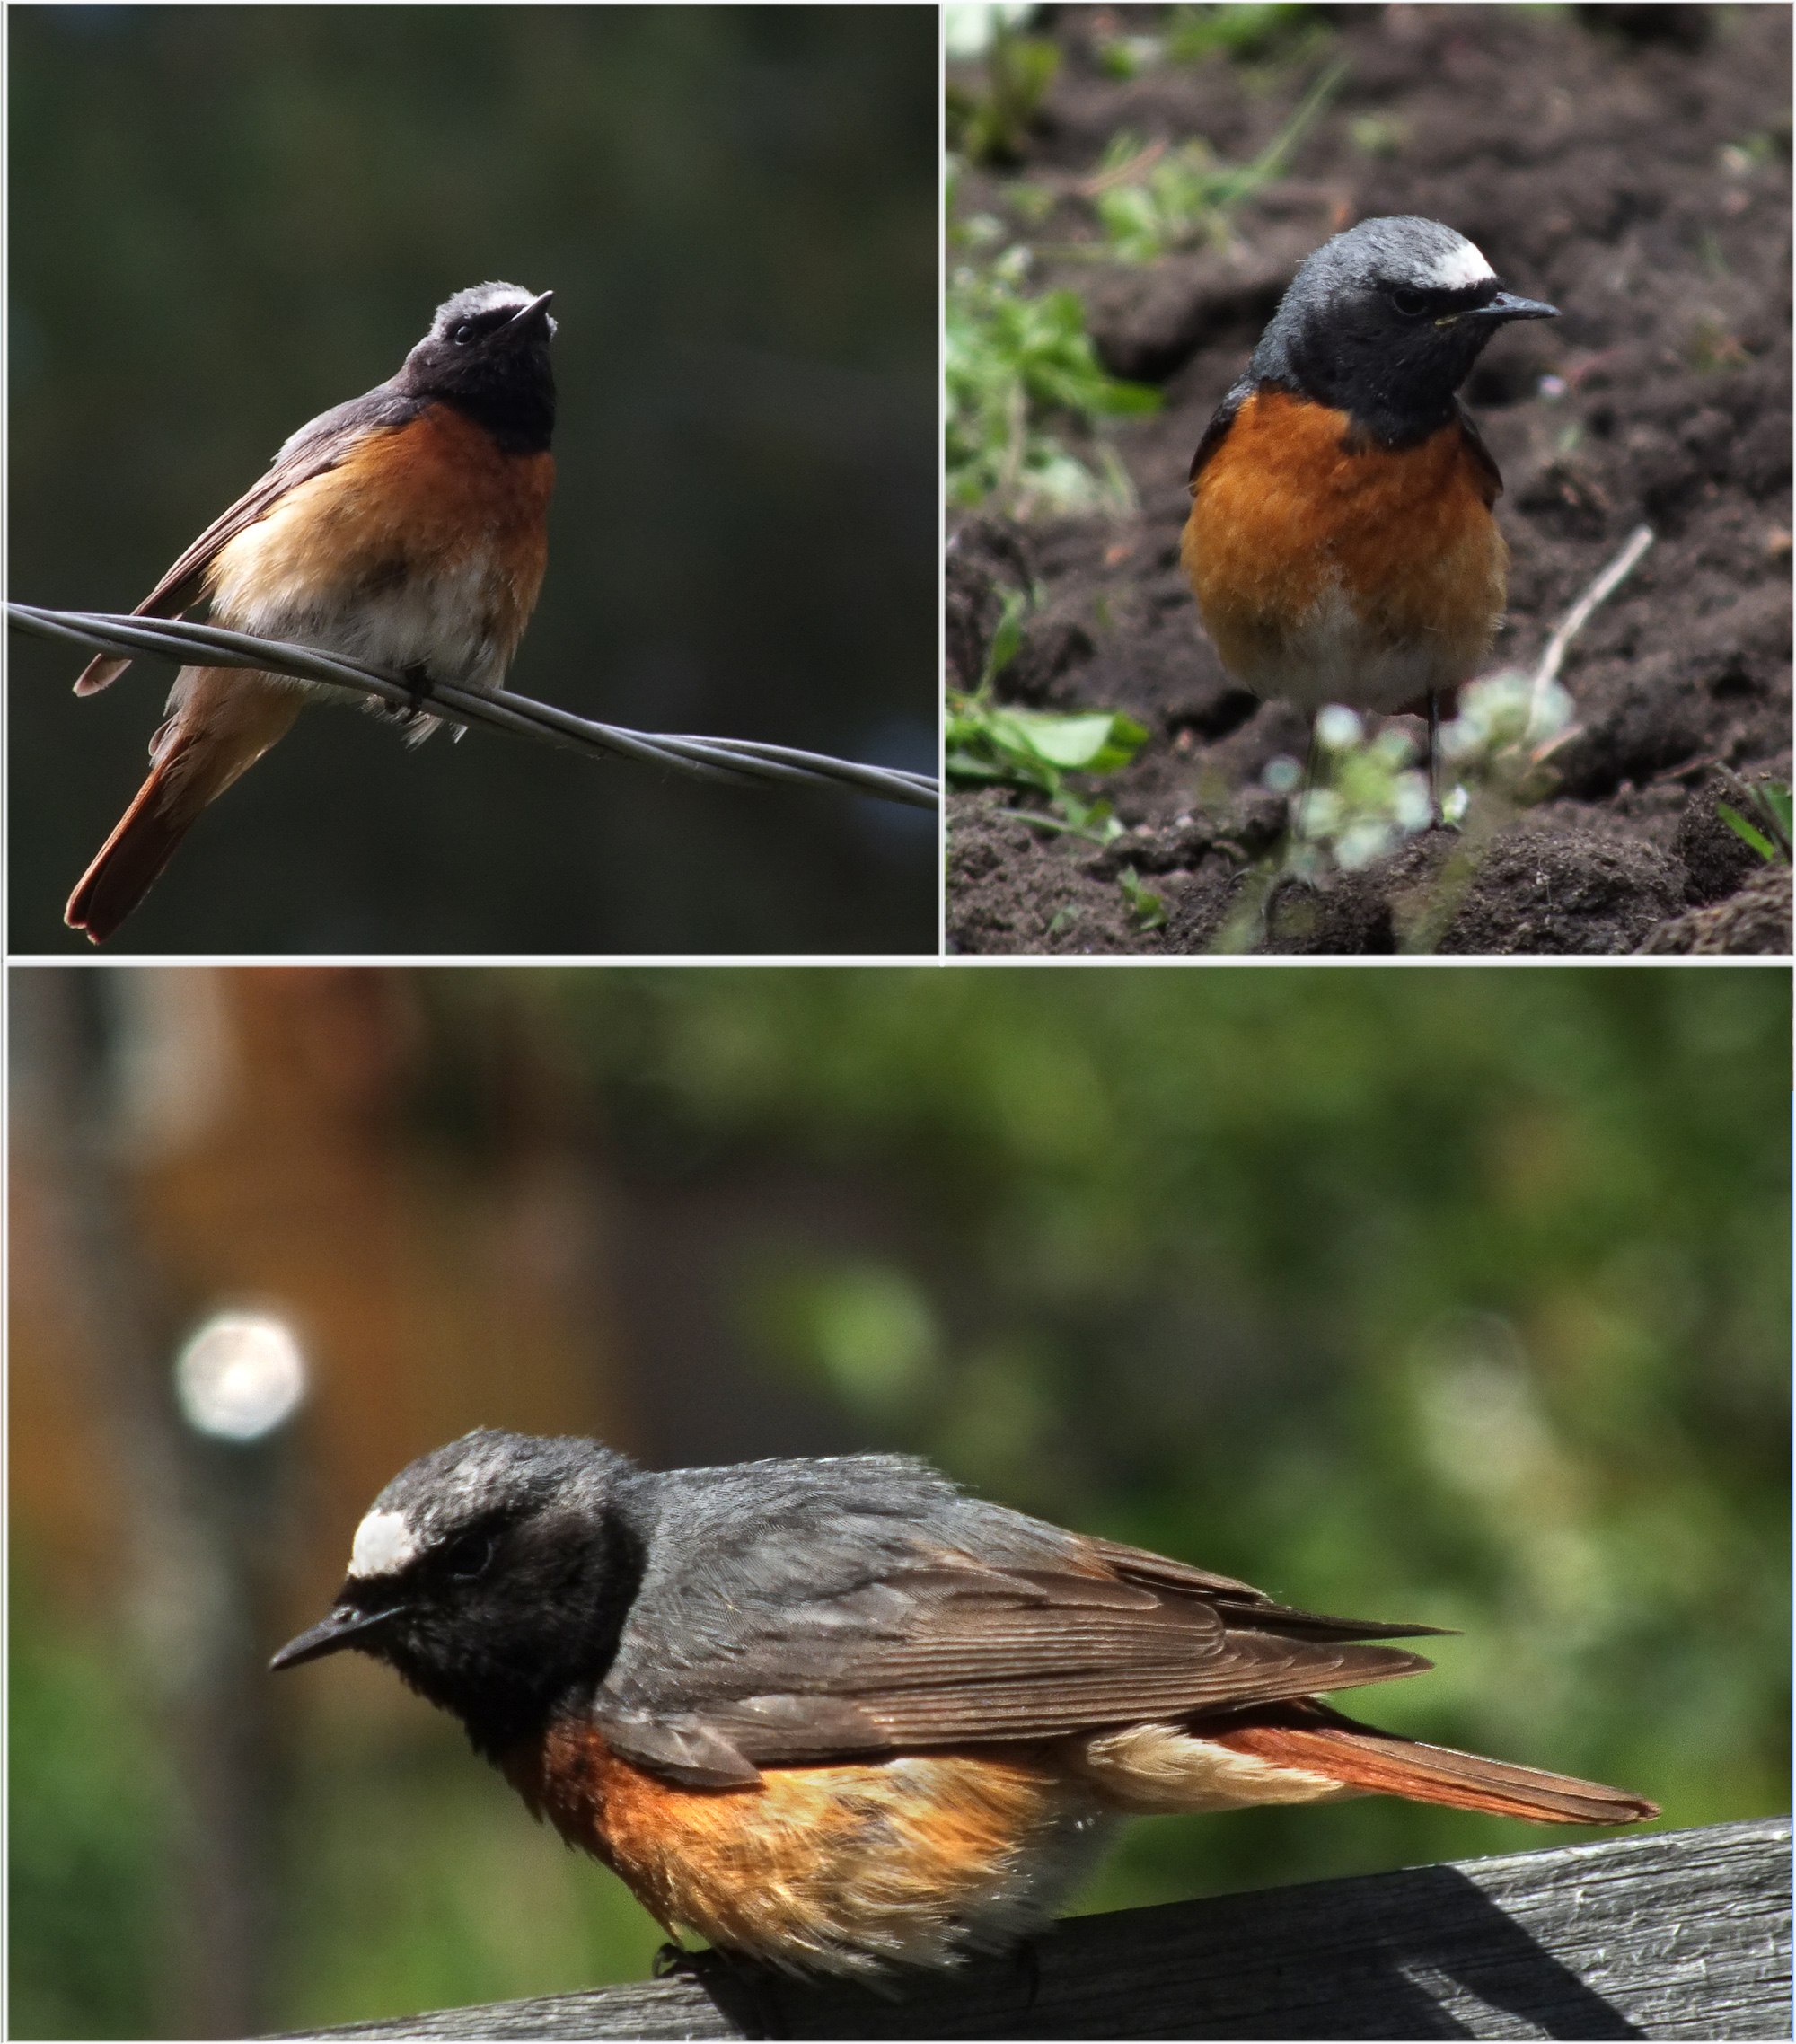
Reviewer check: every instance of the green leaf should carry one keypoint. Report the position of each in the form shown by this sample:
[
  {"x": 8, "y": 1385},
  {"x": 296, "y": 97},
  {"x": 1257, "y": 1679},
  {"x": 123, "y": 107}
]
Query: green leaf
[
  {"x": 1148, "y": 909},
  {"x": 1007, "y": 639},
  {"x": 1084, "y": 742},
  {"x": 1756, "y": 838}
]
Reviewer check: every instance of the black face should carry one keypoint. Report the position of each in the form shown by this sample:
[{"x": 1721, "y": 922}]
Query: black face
[
  {"x": 1392, "y": 354},
  {"x": 499, "y": 1588},
  {"x": 1385, "y": 323},
  {"x": 486, "y": 353}
]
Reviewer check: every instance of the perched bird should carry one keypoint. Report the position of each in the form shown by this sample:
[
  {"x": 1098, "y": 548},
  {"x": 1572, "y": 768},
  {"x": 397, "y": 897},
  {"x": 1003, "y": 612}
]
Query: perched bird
[
  {"x": 838, "y": 1715},
  {"x": 1339, "y": 543},
  {"x": 406, "y": 529}
]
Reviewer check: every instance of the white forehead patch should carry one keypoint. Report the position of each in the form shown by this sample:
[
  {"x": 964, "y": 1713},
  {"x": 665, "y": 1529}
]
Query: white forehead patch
[
  {"x": 1458, "y": 268},
  {"x": 384, "y": 1545}
]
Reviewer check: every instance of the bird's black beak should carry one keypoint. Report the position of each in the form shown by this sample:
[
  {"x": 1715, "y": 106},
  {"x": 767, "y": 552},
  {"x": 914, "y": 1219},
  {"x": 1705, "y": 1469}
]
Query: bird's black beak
[
  {"x": 1506, "y": 306},
  {"x": 342, "y": 1627},
  {"x": 537, "y": 309}
]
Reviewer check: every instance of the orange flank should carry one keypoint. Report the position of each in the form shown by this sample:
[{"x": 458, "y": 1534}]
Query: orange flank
[{"x": 897, "y": 1856}]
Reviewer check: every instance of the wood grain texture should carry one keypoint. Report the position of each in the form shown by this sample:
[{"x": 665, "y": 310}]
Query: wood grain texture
[{"x": 1678, "y": 1934}]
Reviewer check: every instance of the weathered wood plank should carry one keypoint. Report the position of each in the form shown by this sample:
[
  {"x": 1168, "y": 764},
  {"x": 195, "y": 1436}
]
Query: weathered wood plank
[{"x": 1673, "y": 1935}]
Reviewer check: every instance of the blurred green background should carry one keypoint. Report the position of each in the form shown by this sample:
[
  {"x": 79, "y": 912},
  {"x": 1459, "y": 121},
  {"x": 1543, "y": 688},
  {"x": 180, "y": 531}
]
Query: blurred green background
[
  {"x": 1455, "y": 1296},
  {"x": 225, "y": 220}
]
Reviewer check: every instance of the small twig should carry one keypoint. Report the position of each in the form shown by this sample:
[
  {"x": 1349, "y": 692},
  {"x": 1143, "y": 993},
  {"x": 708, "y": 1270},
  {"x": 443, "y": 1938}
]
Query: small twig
[
  {"x": 1579, "y": 615},
  {"x": 1125, "y": 172},
  {"x": 740, "y": 760}
]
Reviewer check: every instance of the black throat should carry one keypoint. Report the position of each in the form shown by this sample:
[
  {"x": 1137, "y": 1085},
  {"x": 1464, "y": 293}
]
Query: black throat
[
  {"x": 520, "y": 421},
  {"x": 510, "y": 394},
  {"x": 508, "y": 1677}
]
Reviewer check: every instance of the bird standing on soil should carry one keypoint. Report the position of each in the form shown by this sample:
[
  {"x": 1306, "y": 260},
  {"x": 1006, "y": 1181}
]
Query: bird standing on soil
[
  {"x": 406, "y": 529},
  {"x": 837, "y": 1715},
  {"x": 1341, "y": 544}
]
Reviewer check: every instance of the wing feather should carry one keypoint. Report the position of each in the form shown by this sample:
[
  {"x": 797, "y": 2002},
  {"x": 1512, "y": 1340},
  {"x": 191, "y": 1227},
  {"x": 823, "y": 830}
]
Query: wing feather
[
  {"x": 312, "y": 451},
  {"x": 958, "y": 1648}
]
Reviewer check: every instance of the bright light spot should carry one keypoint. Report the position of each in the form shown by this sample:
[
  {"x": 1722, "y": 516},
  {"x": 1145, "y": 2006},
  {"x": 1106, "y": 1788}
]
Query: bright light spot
[
  {"x": 1320, "y": 814},
  {"x": 1359, "y": 844},
  {"x": 1338, "y": 728},
  {"x": 1550, "y": 713},
  {"x": 969, "y": 29},
  {"x": 1281, "y": 773},
  {"x": 240, "y": 1376},
  {"x": 1410, "y": 804}
]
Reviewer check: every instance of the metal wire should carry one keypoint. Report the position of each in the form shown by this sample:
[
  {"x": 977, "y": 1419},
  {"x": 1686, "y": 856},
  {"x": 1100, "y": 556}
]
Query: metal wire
[{"x": 741, "y": 761}]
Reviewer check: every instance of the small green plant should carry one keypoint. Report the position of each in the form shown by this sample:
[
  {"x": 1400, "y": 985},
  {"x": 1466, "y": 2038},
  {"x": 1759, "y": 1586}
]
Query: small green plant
[
  {"x": 1769, "y": 802},
  {"x": 1037, "y": 749},
  {"x": 990, "y": 124},
  {"x": 1378, "y": 135},
  {"x": 1243, "y": 32},
  {"x": 1151, "y": 199},
  {"x": 989, "y": 743},
  {"x": 1500, "y": 743},
  {"x": 1368, "y": 796},
  {"x": 1147, "y": 908},
  {"x": 1015, "y": 363},
  {"x": 1127, "y": 56}
]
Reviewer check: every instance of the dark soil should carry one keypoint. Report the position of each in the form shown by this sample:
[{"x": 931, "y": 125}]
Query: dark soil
[{"x": 1631, "y": 165}]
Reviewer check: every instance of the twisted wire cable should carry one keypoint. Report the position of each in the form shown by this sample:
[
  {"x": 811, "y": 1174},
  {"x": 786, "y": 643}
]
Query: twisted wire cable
[{"x": 740, "y": 760}]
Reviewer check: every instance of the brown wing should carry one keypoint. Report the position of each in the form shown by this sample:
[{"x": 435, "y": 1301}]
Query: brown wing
[
  {"x": 1216, "y": 431},
  {"x": 313, "y": 449},
  {"x": 1490, "y": 476},
  {"x": 962, "y": 1651}
]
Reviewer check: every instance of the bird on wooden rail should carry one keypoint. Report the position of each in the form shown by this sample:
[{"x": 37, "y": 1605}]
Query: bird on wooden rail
[
  {"x": 1340, "y": 543},
  {"x": 841, "y": 1717},
  {"x": 406, "y": 529}
]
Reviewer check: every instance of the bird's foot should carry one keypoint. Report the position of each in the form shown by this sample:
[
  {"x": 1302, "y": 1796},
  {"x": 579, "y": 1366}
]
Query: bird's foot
[
  {"x": 742, "y": 1990},
  {"x": 416, "y": 718}
]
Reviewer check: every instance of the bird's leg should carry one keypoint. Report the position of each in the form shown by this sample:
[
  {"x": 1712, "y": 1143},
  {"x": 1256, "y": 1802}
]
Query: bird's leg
[
  {"x": 416, "y": 678},
  {"x": 1306, "y": 786},
  {"x": 1435, "y": 813}
]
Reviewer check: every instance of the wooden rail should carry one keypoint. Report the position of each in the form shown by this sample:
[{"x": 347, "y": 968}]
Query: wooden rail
[{"x": 1674, "y": 1933}]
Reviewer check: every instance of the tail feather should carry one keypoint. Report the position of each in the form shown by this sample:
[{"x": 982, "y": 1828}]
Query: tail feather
[
  {"x": 1320, "y": 1741},
  {"x": 223, "y": 720},
  {"x": 131, "y": 860}
]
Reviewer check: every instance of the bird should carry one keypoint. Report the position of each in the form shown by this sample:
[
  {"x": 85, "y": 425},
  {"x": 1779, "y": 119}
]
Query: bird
[
  {"x": 840, "y": 1717},
  {"x": 406, "y": 529},
  {"x": 1340, "y": 543}
]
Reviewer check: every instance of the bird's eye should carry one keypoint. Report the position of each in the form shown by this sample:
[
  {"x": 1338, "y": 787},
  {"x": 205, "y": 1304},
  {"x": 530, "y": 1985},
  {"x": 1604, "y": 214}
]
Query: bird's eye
[
  {"x": 467, "y": 1556},
  {"x": 461, "y": 332},
  {"x": 1407, "y": 302}
]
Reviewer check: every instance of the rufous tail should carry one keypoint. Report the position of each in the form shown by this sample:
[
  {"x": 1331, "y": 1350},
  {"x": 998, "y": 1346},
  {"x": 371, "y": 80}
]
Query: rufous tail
[
  {"x": 1318, "y": 1739},
  {"x": 223, "y": 721}
]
